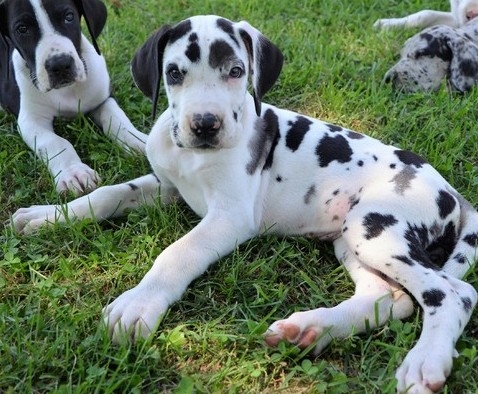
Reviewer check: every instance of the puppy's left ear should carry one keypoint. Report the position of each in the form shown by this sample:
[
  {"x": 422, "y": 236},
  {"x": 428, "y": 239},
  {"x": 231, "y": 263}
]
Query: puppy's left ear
[
  {"x": 147, "y": 64},
  {"x": 94, "y": 12},
  {"x": 265, "y": 61},
  {"x": 464, "y": 63}
]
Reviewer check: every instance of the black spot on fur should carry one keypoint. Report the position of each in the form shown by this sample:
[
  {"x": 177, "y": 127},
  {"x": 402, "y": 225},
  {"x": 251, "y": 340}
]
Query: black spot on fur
[
  {"x": 436, "y": 47},
  {"x": 227, "y": 27},
  {"x": 179, "y": 31},
  {"x": 441, "y": 248},
  {"x": 334, "y": 128},
  {"x": 410, "y": 158},
  {"x": 310, "y": 193},
  {"x": 468, "y": 67},
  {"x": 404, "y": 259},
  {"x": 446, "y": 203},
  {"x": 354, "y": 136},
  {"x": 193, "y": 52},
  {"x": 279, "y": 178},
  {"x": 404, "y": 179},
  {"x": 332, "y": 149},
  {"x": 296, "y": 133},
  {"x": 219, "y": 53},
  {"x": 433, "y": 297},
  {"x": 467, "y": 304},
  {"x": 471, "y": 239},
  {"x": 360, "y": 163},
  {"x": 132, "y": 186},
  {"x": 263, "y": 144},
  {"x": 460, "y": 258},
  {"x": 375, "y": 223}
]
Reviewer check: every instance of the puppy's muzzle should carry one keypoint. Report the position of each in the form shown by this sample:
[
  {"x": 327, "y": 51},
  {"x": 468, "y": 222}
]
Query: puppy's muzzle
[
  {"x": 205, "y": 128},
  {"x": 61, "y": 70}
]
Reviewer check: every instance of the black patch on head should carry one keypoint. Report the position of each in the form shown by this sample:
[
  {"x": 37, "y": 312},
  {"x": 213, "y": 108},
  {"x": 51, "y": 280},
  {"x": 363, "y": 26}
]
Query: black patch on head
[
  {"x": 446, "y": 203},
  {"x": 410, "y": 158},
  {"x": 310, "y": 193},
  {"x": 227, "y": 27},
  {"x": 330, "y": 149},
  {"x": 436, "y": 47},
  {"x": 297, "y": 132},
  {"x": 263, "y": 144},
  {"x": 219, "y": 53},
  {"x": 193, "y": 52},
  {"x": 433, "y": 297},
  {"x": 471, "y": 239},
  {"x": 468, "y": 67},
  {"x": 375, "y": 223},
  {"x": 334, "y": 128},
  {"x": 467, "y": 304},
  {"x": 354, "y": 136},
  {"x": 404, "y": 179},
  {"x": 179, "y": 31}
]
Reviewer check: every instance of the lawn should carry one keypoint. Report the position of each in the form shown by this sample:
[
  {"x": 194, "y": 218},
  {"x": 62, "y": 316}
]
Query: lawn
[{"x": 53, "y": 284}]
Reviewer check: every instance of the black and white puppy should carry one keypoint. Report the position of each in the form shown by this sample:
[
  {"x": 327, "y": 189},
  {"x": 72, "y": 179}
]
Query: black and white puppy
[
  {"x": 247, "y": 167},
  {"x": 48, "y": 69},
  {"x": 437, "y": 54}
]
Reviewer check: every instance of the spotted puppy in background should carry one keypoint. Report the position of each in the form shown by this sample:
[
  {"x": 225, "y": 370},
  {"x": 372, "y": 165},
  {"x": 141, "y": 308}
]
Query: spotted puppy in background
[
  {"x": 437, "y": 54},
  {"x": 247, "y": 168},
  {"x": 48, "y": 68}
]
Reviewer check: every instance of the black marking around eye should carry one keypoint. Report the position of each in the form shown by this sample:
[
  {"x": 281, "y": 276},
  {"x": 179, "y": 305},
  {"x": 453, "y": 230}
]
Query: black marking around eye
[
  {"x": 227, "y": 27},
  {"x": 433, "y": 297},
  {"x": 179, "y": 31},
  {"x": 297, "y": 132},
  {"x": 332, "y": 149},
  {"x": 375, "y": 223},
  {"x": 264, "y": 142},
  {"x": 446, "y": 203},
  {"x": 219, "y": 53},
  {"x": 410, "y": 158}
]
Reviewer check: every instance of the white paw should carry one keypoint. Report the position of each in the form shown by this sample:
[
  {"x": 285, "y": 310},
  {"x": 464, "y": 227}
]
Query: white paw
[
  {"x": 301, "y": 329},
  {"x": 27, "y": 220},
  {"x": 135, "y": 313},
  {"x": 425, "y": 369},
  {"x": 384, "y": 23},
  {"x": 78, "y": 179}
]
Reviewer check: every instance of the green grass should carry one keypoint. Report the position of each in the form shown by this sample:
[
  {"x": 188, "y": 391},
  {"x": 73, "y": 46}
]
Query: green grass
[{"x": 53, "y": 284}]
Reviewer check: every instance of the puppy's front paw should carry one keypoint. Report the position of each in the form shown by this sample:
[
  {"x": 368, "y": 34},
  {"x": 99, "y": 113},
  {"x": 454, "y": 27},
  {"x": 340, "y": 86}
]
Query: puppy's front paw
[
  {"x": 385, "y": 23},
  {"x": 425, "y": 369},
  {"x": 78, "y": 179},
  {"x": 27, "y": 220},
  {"x": 135, "y": 313}
]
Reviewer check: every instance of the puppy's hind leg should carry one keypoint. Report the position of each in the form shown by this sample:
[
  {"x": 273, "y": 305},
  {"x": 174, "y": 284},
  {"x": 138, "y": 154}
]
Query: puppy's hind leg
[{"x": 374, "y": 302}]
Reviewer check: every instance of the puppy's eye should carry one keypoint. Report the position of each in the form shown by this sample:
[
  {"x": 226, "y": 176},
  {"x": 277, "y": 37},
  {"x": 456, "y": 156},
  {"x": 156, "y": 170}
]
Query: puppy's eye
[
  {"x": 236, "y": 72},
  {"x": 69, "y": 17},
  {"x": 175, "y": 74},
  {"x": 21, "y": 29}
]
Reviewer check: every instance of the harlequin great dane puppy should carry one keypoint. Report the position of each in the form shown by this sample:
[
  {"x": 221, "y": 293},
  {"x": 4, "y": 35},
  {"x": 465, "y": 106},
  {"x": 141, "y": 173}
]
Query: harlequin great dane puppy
[
  {"x": 246, "y": 168},
  {"x": 436, "y": 54},
  {"x": 50, "y": 69}
]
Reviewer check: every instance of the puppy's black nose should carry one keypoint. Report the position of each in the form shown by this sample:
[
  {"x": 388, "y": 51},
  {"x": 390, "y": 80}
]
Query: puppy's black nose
[
  {"x": 205, "y": 125},
  {"x": 59, "y": 65}
]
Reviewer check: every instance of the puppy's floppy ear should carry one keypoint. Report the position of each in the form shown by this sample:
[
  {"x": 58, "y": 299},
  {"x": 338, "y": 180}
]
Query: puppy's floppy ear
[
  {"x": 265, "y": 61},
  {"x": 463, "y": 74},
  {"x": 147, "y": 64},
  {"x": 94, "y": 12}
]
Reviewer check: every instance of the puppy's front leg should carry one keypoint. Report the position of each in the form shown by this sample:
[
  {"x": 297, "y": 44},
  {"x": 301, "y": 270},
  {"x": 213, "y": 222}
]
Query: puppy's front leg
[
  {"x": 136, "y": 312},
  {"x": 116, "y": 125},
  {"x": 421, "y": 19},
  {"x": 64, "y": 164}
]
